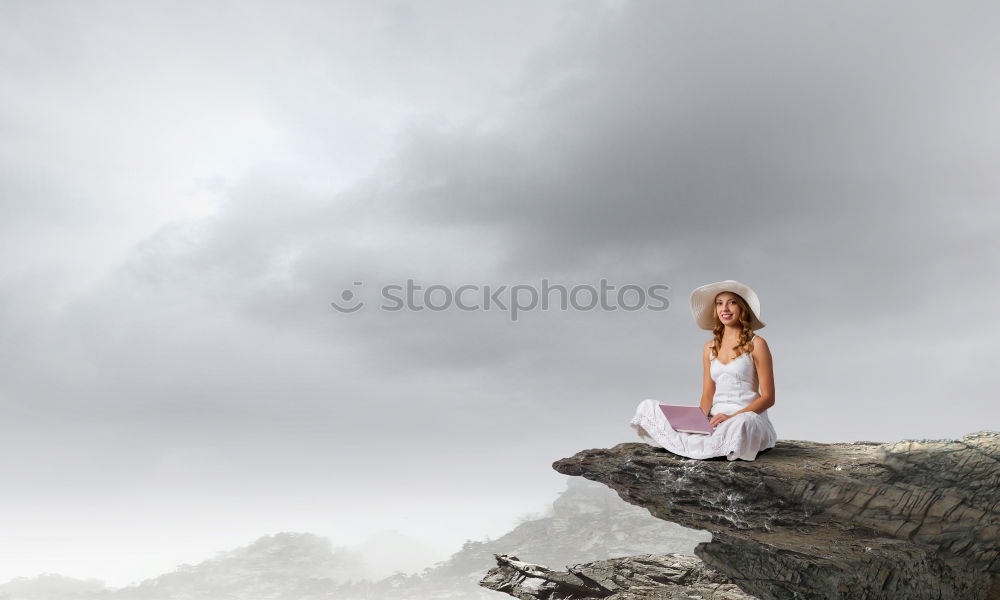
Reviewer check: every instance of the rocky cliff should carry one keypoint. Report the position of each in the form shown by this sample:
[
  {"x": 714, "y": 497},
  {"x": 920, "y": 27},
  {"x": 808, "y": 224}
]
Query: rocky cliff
[{"x": 914, "y": 519}]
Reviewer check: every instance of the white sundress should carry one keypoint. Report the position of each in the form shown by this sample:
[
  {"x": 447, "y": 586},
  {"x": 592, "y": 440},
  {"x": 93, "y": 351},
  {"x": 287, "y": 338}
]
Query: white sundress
[{"x": 741, "y": 436}]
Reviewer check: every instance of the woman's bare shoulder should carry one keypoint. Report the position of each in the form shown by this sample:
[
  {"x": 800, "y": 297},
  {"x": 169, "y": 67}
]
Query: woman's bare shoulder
[{"x": 759, "y": 343}]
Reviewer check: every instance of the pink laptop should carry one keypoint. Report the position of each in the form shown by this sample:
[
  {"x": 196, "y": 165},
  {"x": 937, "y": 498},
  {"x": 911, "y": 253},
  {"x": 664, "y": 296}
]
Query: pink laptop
[{"x": 688, "y": 419}]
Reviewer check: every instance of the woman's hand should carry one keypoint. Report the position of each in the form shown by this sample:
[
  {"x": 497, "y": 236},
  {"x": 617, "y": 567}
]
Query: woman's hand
[{"x": 718, "y": 418}]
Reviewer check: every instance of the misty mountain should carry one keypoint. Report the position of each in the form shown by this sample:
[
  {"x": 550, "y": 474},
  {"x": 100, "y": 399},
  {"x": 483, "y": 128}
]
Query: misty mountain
[
  {"x": 386, "y": 553},
  {"x": 53, "y": 587},
  {"x": 586, "y": 522},
  {"x": 283, "y": 565}
]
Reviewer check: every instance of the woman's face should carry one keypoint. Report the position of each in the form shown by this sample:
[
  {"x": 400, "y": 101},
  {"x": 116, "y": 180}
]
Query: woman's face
[{"x": 727, "y": 308}]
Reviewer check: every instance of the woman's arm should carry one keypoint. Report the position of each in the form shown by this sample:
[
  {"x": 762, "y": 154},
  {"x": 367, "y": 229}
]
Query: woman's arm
[
  {"x": 708, "y": 384},
  {"x": 765, "y": 375}
]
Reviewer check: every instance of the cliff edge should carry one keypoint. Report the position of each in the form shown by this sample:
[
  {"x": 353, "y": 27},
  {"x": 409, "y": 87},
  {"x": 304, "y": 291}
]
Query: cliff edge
[{"x": 913, "y": 519}]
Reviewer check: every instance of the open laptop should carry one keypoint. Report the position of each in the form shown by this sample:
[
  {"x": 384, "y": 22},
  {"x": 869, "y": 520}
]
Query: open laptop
[{"x": 688, "y": 419}]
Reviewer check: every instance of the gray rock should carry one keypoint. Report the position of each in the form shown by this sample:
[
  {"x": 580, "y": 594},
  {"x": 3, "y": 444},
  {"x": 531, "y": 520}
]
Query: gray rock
[
  {"x": 916, "y": 519},
  {"x": 650, "y": 576}
]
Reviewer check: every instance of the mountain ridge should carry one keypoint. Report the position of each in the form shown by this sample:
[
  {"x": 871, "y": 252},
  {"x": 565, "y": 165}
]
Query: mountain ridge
[{"x": 586, "y": 521}]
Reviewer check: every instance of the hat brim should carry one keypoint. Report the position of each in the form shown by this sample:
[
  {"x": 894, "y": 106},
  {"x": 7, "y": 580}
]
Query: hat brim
[{"x": 703, "y": 302}]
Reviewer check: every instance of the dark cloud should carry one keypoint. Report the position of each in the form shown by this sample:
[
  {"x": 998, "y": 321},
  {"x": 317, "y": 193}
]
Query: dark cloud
[{"x": 669, "y": 144}]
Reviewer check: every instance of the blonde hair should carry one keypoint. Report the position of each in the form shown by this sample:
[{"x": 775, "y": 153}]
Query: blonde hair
[{"x": 746, "y": 319}]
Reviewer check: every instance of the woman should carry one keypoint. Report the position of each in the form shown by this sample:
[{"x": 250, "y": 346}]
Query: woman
[{"x": 736, "y": 363}]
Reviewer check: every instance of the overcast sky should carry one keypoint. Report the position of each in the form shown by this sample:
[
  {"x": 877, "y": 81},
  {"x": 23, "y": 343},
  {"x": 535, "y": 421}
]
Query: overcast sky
[{"x": 185, "y": 187}]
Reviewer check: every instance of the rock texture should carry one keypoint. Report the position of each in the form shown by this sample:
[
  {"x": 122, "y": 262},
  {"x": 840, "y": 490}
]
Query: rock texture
[
  {"x": 916, "y": 519},
  {"x": 651, "y": 576}
]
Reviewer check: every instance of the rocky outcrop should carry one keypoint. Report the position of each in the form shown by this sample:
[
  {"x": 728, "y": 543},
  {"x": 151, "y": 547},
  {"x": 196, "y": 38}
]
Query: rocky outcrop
[
  {"x": 651, "y": 576},
  {"x": 916, "y": 519}
]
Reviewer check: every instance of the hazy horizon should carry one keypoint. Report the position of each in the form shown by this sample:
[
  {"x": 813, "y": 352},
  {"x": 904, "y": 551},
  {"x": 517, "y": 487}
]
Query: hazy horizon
[{"x": 187, "y": 187}]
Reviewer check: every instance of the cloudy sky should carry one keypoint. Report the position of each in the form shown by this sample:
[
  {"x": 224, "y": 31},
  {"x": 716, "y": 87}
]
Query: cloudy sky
[{"x": 185, "y": 187}]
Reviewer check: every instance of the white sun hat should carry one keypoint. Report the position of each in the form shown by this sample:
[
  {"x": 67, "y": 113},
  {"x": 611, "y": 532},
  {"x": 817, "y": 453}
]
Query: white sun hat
[{"x": 703, "y": 302}]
